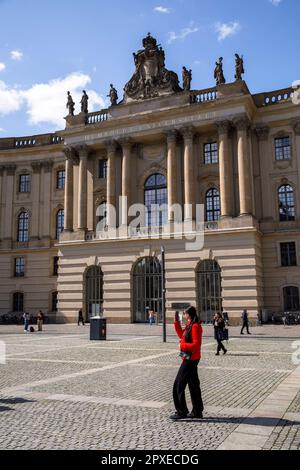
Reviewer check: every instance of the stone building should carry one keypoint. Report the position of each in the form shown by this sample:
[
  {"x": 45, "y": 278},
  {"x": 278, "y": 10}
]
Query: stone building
[{"x": 236, "y": 153}]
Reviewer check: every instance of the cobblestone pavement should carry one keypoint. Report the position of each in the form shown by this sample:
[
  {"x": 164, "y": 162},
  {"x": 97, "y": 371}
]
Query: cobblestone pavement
[{"x": 58, "y": 390}]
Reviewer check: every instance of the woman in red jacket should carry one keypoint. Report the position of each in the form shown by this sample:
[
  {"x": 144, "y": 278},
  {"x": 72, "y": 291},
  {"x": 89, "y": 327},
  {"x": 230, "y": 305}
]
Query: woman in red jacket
[{"x": 190, "y": 351}]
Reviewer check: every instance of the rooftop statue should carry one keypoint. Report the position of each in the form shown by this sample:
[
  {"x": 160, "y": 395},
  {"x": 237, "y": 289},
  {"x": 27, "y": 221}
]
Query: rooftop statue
[
  {"x": 219, "y": 75},
  {"x": 239, "y": 67},
  {"x": 151, "y": 78},
  {"x": 186, "y": 79},
  {"x": 113, "y": 95},
  {"x": 84, "y": 102},
  {"x": 70, "y": 105}
]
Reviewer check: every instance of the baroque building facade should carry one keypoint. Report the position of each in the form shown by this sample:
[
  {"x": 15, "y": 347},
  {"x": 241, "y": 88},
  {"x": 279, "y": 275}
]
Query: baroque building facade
[{"x": 235, "y": 153}]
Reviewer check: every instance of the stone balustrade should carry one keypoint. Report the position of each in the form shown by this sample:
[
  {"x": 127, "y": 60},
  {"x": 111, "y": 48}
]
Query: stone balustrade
[
  {"x": 202, "y": 96},
  {"x": 274, "y": 97},
  {"x": 95, "y": 118},
  {"x": 30, "y": 141}
]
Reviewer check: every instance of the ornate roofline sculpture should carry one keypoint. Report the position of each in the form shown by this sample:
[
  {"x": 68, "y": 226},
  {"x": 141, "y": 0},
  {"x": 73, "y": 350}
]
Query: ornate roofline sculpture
[{"x": 151, "y": 78}]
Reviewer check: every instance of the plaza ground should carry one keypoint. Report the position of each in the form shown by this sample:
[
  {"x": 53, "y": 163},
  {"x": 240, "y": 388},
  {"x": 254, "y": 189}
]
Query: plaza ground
[{"x": 58, "y": 390}]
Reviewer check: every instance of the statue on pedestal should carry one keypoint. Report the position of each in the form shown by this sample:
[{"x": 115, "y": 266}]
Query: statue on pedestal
[
  {"x": 219, "y": 75},
  {"x": 113, "y": 95},
  {"x": 239, "y": 67},
  {"x": 84, "y": 102},
  {"x": 186, "y": 79},
  {"x": 70, "y": 105}
]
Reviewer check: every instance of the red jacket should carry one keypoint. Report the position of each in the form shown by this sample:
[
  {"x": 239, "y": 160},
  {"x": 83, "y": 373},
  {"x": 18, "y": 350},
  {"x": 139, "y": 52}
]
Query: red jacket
[{"x": 195, "y": 346}]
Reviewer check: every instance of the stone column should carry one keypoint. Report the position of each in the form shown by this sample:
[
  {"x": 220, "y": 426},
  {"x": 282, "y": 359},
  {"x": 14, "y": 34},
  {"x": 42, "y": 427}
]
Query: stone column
[
  {"x": 262, "y": 132},
  {"x": 225, "y": 169},
  {"x": 296, "y": 152},
  {"x": 35, "y": 192},
  {"x": 245, "y": 187},
  {"x": 83, "y": 152},
  {"x": 189, "y": 174},
  {"x": 172, "y": 171},
  {"x": 69, "y": 189},
  {"x": 2, "y": 168},
  {"x": 111, "y": 179},
  {"x": 8, "y": 210},
  {"x": 46, "y": 208},
  {"x": 126, "y": 177}
]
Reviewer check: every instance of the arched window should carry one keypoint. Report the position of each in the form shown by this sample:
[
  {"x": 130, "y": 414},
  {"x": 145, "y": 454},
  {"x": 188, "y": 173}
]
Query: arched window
[
  {"x": 54, "y": 302},
  {"x": 209, "y": 290},
  {"x": 18, "y": 302},
  {"x": 286, "y": 203},
  {"x": 60, "y": 216},
  {"x": 291, "y": 299},
  {"x": 94, "y": 291},
  {"x": 23, "y": 227},
  {"x": 212, "y": 205},
  {"x": 156, "y": 194},
  {"x": 147, "y": 289}
]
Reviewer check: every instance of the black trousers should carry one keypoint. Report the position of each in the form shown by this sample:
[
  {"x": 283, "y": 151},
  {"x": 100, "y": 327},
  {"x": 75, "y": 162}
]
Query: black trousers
[
  {"x": 188, "y": 375},
  {"x": 245, "y": 325},
  {"x": 220, "y": 346}
]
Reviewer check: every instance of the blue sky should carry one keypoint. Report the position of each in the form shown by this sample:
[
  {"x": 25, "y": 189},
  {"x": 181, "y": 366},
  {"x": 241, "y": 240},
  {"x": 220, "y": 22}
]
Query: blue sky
[{"x": 51, "y": 46}]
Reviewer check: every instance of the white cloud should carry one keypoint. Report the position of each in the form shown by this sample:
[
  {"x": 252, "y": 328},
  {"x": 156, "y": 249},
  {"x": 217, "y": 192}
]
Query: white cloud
[
  {"x": 225, "y": 30},
  {"x": 182, "y": 35},
  {"x": 46, "y": 102},
  {"x": 16, "y": 55},
  {"x": 161, "y": 9},
  {"x": 275, "y": 2},
  {"x": 10, "y": 99},
  {"x": 2, "y": 130},
  {"x": 2, "y": 66}
]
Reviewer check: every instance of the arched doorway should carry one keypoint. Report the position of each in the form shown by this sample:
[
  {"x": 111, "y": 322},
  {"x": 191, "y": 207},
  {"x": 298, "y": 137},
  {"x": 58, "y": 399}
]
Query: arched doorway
[
  {"x": 147, "y": 289},
  {"x": 94, "y": 291},
  {"x": 209, "y": 289}
]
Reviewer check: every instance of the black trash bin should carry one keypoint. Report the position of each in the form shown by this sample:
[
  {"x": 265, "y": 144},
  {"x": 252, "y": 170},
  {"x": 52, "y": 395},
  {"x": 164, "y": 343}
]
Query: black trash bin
[{"x": 98, "y": 329}]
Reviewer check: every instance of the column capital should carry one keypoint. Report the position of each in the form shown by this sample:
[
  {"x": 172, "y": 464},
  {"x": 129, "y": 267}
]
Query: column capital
[
  {"x": 171, "y": 136},
  {"x": 188, "y": 132},
  {"x": 242, "y": 123},
  {"x": 10, "y": 169},
  {"x": 223, "y": 127},
  {"x": 82, "y": 151},
  {"x": 111, "y": 145},
  {"x": 262, "y": 132},
  {"x": 126, "y": 142},
  {"x": 36, "y": 167},
  {"x": 48, "y": 165},
  {"x": 296, "y": 126},
  {"x": 70, "y": 153}
]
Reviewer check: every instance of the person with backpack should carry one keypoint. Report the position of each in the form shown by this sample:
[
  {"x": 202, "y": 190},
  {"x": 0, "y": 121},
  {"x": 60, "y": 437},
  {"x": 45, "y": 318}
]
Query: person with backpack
[
  {"x": 220, "y": 333},
  {"x": 190, "y": 353},
  {"x": 26, "y": 318}
]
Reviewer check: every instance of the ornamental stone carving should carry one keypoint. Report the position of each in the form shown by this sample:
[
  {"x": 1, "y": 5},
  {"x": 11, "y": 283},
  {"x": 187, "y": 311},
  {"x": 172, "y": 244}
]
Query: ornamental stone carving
[
  {"x": 242, "y": 123},
  {"x": 151, "y": 78},
  {"x": 48, "y": 165},
  {"x": 223, "y": 127},
  {"x": 11, "y": 169},
  {"x": 262, "y": 132},
  {"x": 36, "y": 167}
]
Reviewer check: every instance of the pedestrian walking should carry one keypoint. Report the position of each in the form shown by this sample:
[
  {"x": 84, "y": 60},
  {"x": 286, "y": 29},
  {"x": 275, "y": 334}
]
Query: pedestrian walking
[
  {"x": 80, "y": 318},
  {"x": 151, "y": 317},
  {"x": 40, "y": 320},
  {"x": 245, "y": 319},
  {"x": 26, "y": 318},
  {"x": 220, "y": 333},
  {"x": 190, "y": 352}
]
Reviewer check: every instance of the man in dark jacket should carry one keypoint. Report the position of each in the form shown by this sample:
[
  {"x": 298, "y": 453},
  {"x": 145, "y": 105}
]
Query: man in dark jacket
[{"x": 245, "y": 322}]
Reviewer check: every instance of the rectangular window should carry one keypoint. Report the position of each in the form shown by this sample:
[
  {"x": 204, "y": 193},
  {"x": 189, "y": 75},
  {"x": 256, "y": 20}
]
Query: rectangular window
[
  {"x": 211, "y": 156},
  {"x": 60, "y": 179},
  {"x": 24, "y": 184},
  {"x": 19, "y": 267},
  {"x": 55, "y": 265},
  {"x": 288, "y": 254},
  {"x": 103, "y": 169},
  {"x": 283, "y": 149}
]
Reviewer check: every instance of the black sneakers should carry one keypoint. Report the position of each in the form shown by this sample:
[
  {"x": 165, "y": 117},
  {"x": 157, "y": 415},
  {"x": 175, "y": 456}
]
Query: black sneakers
[
  {"x": 177, "y": 417},
  {"x": 193, "y": 416}
]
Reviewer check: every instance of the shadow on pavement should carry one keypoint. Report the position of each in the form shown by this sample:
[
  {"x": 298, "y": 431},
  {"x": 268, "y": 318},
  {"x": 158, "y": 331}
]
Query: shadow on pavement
[{"x": 255, "y": 421}]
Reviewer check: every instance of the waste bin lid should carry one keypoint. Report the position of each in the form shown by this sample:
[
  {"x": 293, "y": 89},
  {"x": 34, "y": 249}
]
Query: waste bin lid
[{"x": 97, "y": 318}]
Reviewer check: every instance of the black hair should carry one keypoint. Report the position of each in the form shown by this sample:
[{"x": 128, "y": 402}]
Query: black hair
[{"x": 192, "y": 312}]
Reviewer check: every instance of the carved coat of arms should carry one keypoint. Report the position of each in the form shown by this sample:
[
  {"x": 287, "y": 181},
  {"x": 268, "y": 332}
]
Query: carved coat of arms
[{"x": 151, "y": 78}]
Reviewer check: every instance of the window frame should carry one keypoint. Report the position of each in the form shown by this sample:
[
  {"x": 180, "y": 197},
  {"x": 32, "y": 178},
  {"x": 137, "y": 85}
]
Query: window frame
[
  {"x": 102, "y": 168},
  {"x": 280, "y": 150},
  {"x": 60, "y": 180},
  {"x": 211, "y": 153},
  {"x": 24, "y": 186},
  {"x": 21, "y": 265}
]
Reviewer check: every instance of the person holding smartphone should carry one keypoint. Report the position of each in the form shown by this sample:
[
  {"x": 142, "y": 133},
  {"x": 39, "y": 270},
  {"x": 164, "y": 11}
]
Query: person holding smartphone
[{"x": 190, "y": 352}]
